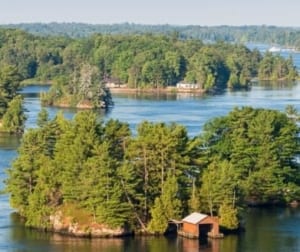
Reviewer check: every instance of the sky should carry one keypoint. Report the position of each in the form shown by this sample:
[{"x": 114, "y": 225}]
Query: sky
[{"x": 175, "y": 12}]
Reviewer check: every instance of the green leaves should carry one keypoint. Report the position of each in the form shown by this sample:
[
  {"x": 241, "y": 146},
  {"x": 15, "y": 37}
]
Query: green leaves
[
  {"x": 228, "y": 217},
  {"x": 275, "y": 67},
  {"x": 261, "y": 146},
  {"x": 82, "y": 88},
  {"x": 166, "y": 207},
  {"x": 13, "y": 120},
  {"x": 9, "y": 84},
  {"x": 144, "y": 180}
]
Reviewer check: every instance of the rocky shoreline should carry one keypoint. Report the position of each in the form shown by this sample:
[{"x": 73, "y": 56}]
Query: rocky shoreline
[{"x": 67, "y": 226}]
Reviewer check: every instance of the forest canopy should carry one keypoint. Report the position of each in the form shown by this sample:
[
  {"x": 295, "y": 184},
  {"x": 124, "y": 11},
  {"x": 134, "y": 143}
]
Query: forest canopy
[
  {"x": 138, "y": 60},
  {"x": 12, "y": 117},
  {"x": 160, "y": 173},
  {"x": 80, "y": 68}
]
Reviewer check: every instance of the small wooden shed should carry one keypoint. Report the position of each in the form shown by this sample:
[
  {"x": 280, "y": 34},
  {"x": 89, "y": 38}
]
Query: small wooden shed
[{"x": 198, "y": 225}]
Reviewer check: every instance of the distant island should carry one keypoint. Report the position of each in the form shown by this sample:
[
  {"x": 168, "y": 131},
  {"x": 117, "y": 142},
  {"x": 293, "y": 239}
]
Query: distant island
[{"x": 82, "y": 70}]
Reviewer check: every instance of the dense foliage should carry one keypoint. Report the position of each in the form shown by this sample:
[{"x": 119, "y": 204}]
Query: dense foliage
[
  {"x": 79, "y": 67},
  {"x": 286, "y": 36},
  {"x": 276, "y": 68},
  {"x": 248, "y": 156},
  {"x": 12, "y": 116},
  {"x": 252, "y": 156},
  {"x": 83, "y": 90}
]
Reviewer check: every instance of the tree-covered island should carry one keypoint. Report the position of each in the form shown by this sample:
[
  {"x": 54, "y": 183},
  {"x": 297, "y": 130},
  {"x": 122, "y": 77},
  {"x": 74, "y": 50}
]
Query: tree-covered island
[
  {"x": 89, "y": 178},
  {"x": 82, "y": 89},
  {"x": 78, "y": 68}
]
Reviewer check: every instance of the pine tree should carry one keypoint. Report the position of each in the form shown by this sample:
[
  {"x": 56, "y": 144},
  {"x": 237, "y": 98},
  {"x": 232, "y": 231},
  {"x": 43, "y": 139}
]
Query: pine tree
[
  {"x": 23, "y": 175},
  {"x": 45, "y": 196},
  {"x": 159, "y": 221},
  {"x": 166, "y": 207},
  {"x": 72, "y": 150},
  {"x": 14, "y": 118},
  {"x": 228, "y": 216},
  {"x": 42, "y": 118},
  {"x": 103, "y": 193},
  {"x": 260, "y": 146},
  {"x": 9, "y": 84}
]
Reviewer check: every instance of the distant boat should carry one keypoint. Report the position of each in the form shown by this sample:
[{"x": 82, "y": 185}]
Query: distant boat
[{"x": 274, "y": 49}]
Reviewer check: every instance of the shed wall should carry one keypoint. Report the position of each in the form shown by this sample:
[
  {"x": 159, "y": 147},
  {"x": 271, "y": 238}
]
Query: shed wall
[{"x": 190, "y": 228}]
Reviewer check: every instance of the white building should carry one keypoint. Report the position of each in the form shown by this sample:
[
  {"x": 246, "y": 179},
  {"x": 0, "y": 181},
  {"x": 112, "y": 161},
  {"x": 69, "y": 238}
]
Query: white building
[{"x": 182, "y": 85}]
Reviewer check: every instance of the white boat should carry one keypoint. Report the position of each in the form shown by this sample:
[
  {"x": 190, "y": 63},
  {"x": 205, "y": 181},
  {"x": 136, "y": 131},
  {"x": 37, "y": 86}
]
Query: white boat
[{"x": 274, "y": 49}]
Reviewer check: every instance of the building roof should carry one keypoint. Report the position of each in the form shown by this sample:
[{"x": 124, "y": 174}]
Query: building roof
[{"x": 194, "y": 218}]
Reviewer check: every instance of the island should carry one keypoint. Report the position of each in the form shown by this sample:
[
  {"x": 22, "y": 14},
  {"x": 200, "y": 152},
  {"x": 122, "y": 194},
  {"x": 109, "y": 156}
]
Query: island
[
  {"x": 84, "y": 177},
  {"x": 80, "y": 70}
]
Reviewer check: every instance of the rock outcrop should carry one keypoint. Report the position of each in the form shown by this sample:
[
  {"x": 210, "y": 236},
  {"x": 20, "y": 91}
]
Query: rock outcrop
[{"x": 67, "y": 225}]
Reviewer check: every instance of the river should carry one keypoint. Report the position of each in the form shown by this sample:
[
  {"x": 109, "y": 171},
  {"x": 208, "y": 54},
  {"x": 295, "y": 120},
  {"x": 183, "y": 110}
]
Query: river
[{"x": 272, "y": 229}]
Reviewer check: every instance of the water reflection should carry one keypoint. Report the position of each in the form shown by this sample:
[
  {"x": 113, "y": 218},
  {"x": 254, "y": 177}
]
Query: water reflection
[
  {"x": 272, "y": 229},
  {"x": 156, "y": 96},
  {"x": 230, "y": 243},
  {"x": 275, "y": 85},
  {"x": 9, "y": 141},
  {"x": 25, "y": 239}
]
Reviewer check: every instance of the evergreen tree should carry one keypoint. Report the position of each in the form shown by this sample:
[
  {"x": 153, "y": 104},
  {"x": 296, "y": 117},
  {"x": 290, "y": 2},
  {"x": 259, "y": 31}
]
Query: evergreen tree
[
  {"x": 14, "y": 118},
  {"x": 159, "y": 221},
  {"x": 103, "y": 193},
  {"x": 261, "y": 146},
  {"x": 22, "y": 176},
  {"x": 9, "y": 84},
  {"x": 45, "y": 196},
  {"x": 157, "y": 150},
  {"x": 228, "y": 216},
  {"x": 73, "y": 148},
  {"x": 166, "y": 207},
  {"x": 43, "y": 117}
]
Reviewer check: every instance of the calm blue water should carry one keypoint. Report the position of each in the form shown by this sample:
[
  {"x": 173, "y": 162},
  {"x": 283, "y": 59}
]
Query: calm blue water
[
  {"x": 193, "y": 112},
  {"x": 267, "y": 229},
  {"x": 189, "y": 110}
]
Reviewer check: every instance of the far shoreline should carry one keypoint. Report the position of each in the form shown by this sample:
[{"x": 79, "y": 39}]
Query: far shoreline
[{"x": 168, "y": 90}]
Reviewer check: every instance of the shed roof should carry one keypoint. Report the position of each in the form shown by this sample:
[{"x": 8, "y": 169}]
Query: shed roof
[{"x": 194, "y": 218}]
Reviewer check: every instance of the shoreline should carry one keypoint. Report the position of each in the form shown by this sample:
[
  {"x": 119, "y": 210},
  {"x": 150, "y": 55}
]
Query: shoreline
[{"x": 168, "y": 90}]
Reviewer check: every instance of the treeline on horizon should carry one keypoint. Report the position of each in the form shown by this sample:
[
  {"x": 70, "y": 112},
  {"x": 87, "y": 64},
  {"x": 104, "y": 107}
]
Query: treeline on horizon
[
  {"x": 267, "y": 34},
  {"x": 100, "y": 172}
]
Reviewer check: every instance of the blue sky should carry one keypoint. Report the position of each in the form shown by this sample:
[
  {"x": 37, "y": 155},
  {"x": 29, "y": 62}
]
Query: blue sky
[{"x": 179, "y": 12}]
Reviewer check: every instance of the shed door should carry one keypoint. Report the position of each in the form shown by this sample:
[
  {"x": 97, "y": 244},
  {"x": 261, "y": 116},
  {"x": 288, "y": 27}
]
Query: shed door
[{"x": 204, "y": 229}]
